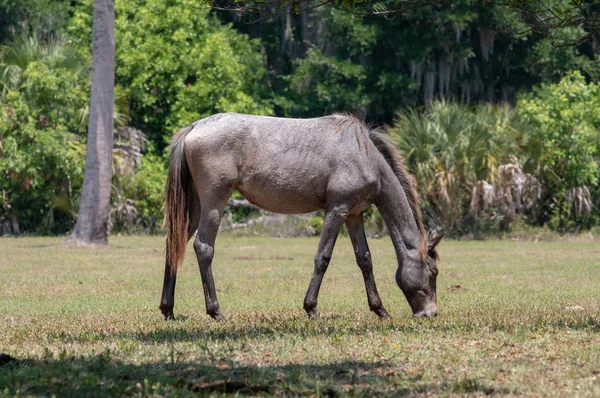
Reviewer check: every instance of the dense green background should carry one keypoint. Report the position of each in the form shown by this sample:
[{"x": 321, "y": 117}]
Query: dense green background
[{"x": 463, "y": 85}]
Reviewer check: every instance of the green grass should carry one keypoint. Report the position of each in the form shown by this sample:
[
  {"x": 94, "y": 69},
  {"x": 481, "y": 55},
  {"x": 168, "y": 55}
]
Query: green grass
[{"x": 515, "y": 318}]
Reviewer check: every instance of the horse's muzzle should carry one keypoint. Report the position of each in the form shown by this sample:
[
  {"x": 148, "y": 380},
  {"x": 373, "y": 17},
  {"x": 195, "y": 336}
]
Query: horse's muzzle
[
  {"x": 430, "y": 311},
  {"x": 424, "y": 314}
]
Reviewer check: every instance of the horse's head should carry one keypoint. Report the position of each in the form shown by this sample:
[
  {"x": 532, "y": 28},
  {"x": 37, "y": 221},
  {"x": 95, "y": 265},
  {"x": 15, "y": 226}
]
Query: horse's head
[{"x": 418, "y": 282}]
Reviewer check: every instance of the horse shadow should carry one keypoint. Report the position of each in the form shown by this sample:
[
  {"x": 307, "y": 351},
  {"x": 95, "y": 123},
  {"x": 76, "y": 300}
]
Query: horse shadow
[{"x": 105, "y": 375}]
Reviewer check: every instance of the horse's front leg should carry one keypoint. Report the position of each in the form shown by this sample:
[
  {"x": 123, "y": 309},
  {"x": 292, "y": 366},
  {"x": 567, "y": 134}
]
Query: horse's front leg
[
  {"x": 332, "y": 223},
  {"x": 356, "y": 230}
]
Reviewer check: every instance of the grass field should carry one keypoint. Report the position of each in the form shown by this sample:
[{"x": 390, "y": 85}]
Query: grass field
[{"x": 515, "y": 319}]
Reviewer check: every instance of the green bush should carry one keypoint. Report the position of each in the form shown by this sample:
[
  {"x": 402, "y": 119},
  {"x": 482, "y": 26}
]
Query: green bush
[
  {"x": 44, "y": 86},
  {"x": 563, "y": 148},
  {"x": 449, "y": 147},
  {"x": 552, "y": 138},
  {"x": 146, "y": 189},
  {"x": 316, "y": 223},
  {"x": 240, "y": 214}
]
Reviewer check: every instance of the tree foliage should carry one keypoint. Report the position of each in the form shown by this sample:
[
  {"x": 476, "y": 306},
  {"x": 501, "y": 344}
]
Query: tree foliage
[
  {"x": 178, "y": 64},
  {"x": 327, "y": 59},
  {"x": 322, "y": 84},
  {"x": 564, "y": 151},
  {"x": 546, "y": 148},
  {"x": 44, "y": 88},
  {"x": 47, "y": 17},
  {"x": 554, "y": 19}
]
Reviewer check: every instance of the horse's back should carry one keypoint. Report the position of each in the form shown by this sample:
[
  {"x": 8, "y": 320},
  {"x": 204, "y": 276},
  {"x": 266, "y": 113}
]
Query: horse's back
[{"x": 283, "y": 165}]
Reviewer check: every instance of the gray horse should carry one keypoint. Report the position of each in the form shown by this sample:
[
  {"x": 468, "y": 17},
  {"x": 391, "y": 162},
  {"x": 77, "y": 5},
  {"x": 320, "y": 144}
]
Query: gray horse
[{"x": 292, "y": 166}]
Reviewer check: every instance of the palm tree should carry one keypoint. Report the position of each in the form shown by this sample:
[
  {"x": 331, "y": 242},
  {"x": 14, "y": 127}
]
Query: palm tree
[
  {"x": 94, "y": 207},
  {"x": 54, "y": 52},
  {"x": 449, "y": 147}
]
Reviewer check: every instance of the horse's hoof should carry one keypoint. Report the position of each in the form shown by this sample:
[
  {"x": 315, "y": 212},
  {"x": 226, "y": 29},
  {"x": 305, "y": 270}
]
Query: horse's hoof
[
  {"x": 382, "y": 314},
  {"x": 168, "y": 314},
  {"x": 313, "y": 315},
  {"x": 218, "y": 317}
]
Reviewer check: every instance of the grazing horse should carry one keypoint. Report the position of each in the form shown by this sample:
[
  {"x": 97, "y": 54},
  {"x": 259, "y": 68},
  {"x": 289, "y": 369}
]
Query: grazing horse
[{"x": 334, "y": 163}]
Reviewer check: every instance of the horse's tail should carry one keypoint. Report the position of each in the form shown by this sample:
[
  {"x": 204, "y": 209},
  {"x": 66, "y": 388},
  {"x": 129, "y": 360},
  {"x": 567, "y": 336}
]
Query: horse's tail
[{"x": 179, "y": 196}]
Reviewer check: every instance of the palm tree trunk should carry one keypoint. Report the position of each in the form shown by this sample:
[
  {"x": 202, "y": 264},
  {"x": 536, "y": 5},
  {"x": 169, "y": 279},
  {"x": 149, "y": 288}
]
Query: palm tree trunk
[{"x": 94, "y": 207}]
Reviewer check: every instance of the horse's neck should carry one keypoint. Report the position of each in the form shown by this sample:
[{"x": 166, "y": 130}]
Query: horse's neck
[{"x": 398, "y": 216}]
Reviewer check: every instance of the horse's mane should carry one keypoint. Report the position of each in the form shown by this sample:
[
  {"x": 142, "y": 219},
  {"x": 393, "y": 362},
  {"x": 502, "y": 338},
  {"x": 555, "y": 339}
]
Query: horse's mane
[
  {"x": 395, "y": 160},
  {"x": 349, "y": 123}
]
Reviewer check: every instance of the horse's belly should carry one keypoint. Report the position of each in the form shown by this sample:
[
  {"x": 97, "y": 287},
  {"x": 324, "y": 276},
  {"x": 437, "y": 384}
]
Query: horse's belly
[{"x": 278, "y": 199}]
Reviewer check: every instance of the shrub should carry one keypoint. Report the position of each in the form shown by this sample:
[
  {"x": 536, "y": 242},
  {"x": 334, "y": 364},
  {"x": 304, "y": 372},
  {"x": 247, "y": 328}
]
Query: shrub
[
  {"x": 563, "y": 149},
  {"x": 449, "y": 147},
  {"x": 138, "y": 206},
  {"x": 44, "y": 86}
]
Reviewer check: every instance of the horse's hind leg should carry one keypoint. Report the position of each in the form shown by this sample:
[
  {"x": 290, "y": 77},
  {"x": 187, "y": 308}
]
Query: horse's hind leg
[
  {"x": 356, "y": 230},
  {"x": 334, "y": 219},
  {"x": 204, "y": 246},
  {"x": 167, "y": 301}
]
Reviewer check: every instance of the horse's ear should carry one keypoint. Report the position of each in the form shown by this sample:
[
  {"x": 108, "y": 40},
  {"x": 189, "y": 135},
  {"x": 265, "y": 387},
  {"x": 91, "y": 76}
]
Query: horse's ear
[{"x": 434, "y": 242}]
